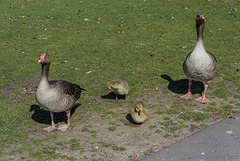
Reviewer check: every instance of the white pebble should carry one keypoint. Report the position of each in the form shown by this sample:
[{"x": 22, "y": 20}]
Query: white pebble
[
  {"x": 88, "y": 72},
  {"x": 229, "y": 132}
]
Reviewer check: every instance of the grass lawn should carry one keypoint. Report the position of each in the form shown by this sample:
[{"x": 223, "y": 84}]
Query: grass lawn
[{"x": 92, "y": 42}]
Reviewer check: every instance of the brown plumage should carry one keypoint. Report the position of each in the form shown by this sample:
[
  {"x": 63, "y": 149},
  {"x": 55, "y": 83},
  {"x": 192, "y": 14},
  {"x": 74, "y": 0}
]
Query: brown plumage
[
  {"x": 56, "y": 95},
  {"x": 119, "y": 86}
]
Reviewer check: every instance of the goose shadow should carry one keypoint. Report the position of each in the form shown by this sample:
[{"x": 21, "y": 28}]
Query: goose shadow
[
  {"x": 112, "y": 96},
  {"x": 181, "y": 86},
  {"x": 42, "y": 116}
]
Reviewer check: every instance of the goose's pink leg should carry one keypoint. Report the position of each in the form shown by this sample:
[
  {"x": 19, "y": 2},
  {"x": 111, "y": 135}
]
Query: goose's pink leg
[
  {"x": 53, "y": 126},
  {"x": 65, "y": 126},
  {"x": 203, "y": 99},
  {"x": 189, "y": 94}
]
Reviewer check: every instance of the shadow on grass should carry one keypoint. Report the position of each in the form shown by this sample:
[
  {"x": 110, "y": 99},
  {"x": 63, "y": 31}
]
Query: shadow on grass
[
  {"x": 112, "y": 96},
  {"x": 42, "y": 116},
  {"x": 181, "y": 86}
]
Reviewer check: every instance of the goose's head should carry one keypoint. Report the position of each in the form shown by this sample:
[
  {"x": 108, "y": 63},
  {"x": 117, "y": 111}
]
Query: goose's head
[
  {"x": 200, "y": 19},
  {"x": 44, "y": 58}
]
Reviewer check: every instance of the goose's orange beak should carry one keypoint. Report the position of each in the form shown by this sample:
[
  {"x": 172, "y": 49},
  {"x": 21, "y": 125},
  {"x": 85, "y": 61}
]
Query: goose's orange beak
[
  {"x": 41, "y": 59},
  {"x": 202, "y": 17}
]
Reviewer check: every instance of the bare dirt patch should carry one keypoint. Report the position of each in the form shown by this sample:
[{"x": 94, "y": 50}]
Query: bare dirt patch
[
  {"x": 109, "y": 135},
  {"x": 20, "y": 88}
]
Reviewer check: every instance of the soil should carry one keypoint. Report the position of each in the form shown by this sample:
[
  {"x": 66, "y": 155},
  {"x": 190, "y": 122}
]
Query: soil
[{"x": 116, "y": 138}]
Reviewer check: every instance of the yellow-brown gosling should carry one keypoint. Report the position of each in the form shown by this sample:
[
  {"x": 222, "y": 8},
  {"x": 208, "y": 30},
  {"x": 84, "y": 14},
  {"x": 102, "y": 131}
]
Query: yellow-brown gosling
[
  {"x": 120, "y": 87},
  {"x": 139, "y": 113}
]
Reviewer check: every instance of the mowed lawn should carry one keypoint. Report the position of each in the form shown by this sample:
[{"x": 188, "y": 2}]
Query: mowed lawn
[{"x": 91, "y": 42}]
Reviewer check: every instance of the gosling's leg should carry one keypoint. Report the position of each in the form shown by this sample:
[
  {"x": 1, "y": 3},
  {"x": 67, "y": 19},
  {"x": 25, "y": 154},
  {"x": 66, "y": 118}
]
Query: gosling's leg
[
  {"x": 116, "y": 99},
  {"x": 125, "y": 98}
]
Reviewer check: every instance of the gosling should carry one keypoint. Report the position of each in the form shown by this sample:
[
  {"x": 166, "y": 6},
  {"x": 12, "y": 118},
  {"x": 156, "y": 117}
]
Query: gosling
[
  {"x": 120, "y": 87},
  {"x": 139, "y": 113}
]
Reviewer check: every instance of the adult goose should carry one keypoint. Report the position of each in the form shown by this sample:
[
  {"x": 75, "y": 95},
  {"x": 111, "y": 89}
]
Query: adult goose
[
  {"x": 199, "y": 65},
  {"x": 56, "y": 95}
]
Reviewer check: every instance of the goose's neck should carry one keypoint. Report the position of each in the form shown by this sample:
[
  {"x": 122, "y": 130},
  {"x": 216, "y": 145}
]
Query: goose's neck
[
  {"x": 200, "y": 35},
  {"x": 45, "y": 71}
]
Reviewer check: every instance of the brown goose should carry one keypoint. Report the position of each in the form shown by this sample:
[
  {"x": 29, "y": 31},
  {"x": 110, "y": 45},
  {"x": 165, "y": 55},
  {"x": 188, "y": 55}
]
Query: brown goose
[
  {"x": 120, "y": 87},
  {"x": 56, "y": 95},
  {"x": 200, "y": 65}
]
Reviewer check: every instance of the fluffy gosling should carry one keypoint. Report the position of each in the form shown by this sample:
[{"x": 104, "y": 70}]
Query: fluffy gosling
[
  {"x": 139, "y": 113},
  {"x": 120, "y": 87}
]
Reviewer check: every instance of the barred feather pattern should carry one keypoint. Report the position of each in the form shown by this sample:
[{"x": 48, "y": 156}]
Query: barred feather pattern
[{"x": 68, "y": 88}]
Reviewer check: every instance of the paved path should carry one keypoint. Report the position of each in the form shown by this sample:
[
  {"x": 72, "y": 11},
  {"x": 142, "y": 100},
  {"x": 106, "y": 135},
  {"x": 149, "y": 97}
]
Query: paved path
[{"x": 217, "y": 142}]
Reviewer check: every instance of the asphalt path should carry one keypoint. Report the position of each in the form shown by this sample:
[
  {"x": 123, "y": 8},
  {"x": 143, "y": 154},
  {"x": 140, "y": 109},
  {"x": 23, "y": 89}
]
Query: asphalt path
[{"x": 217, "y": 142}]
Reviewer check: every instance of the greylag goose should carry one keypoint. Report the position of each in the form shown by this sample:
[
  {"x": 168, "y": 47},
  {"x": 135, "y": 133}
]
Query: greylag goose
[
  {"x": 199, "y": 65},
  {"x": 56, "y": 95},
  {"x": 120, "y": 87},
  {"x": 139, "y": 113}
]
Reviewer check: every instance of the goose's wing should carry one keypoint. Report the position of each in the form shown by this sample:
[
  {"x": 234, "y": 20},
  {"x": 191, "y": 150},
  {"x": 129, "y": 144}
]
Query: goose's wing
[
  {"x": 67, "y": 88},
  {"x": 214, "y": 66},
  {"x": 212, "y": 56}
]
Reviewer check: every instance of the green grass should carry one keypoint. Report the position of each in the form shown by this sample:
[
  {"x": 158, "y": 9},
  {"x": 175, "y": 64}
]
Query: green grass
[
  {"x": 166, "y": 135},
  {"x": 114, "y": 147},
  {"x": 159, "y": 112},
  {"x": 195, "y": 127},
  {"x": 106, "y": 145},
  {"x": 158, "y": 131},
  {"x": 52, "y": 137},
  {"x": 11, "y": 121},
  {"x": 44, "y": 153},
  {"x": 152, "y": 126},
  {"x": 136, "y": 40},
  {"x": 93, "y": 132},
  {"x": 76, "y": 146},
  {"x": 196, "y": 116},
  {"x": 118, "y": 148},
  {"x": 112, "y": 128}
]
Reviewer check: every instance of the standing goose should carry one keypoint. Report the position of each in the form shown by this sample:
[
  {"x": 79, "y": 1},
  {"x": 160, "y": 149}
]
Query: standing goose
[
  {"x": 200, "y": 65},
  {"x": 56, "y": 95},
  {"x": 120, "y": 87}
]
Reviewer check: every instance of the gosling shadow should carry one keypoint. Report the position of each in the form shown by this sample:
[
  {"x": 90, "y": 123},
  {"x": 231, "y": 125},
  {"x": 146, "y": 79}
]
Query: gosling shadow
[
  {"x": 130, "y": 119},
  {"x": 42, "y": 116},
  {"x": 112, "y": 96},
  {"x": 181, "y": 86}
]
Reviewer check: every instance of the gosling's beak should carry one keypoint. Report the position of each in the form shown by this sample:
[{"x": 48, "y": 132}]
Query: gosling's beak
[
  {"x": 41, "y": 59},
  {"x": 139, "y": 112}
]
